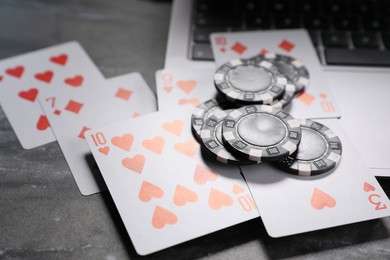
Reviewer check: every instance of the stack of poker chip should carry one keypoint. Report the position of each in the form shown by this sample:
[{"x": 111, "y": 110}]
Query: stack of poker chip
[{"x": 246, "y": 124}]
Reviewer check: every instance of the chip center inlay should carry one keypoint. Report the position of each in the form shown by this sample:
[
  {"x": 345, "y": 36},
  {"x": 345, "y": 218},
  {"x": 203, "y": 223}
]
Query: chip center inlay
[
  {"x": 262, "y": 129},
  {"x": 250, "y": 78},
  {"x": 313, "y": 145}
]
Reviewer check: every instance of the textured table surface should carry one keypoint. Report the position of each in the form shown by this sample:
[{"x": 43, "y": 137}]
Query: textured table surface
[{"x": 42, "y": 213}]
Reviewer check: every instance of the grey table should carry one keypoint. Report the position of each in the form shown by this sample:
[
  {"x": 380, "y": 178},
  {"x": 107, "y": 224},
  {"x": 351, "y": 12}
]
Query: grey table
[{"x": 42, "y": 213}]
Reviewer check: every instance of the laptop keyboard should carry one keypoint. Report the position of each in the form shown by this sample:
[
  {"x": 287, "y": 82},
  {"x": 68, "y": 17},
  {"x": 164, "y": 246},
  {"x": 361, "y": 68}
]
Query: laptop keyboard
[{"x": 344, "y": 32}]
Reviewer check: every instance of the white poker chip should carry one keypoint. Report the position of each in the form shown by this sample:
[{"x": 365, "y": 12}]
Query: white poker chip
[{"x": 249, "y": 81}]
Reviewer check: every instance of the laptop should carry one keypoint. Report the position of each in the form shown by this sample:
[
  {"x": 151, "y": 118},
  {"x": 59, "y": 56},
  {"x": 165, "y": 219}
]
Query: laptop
[{"x": 352, "y": 40}]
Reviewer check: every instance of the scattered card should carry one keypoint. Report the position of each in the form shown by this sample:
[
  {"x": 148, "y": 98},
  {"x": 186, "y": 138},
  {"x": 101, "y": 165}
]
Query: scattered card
[
  {"x": 24, "y": 78},
  {"x": 291, "y": 204},
  {"x": 73, "y": 110},
  {"x": 317, "y": 101},
  {"x": 367, "y": 123},
  {"x": 164, "y": 189},
  {"x": 184, "y": 87}
]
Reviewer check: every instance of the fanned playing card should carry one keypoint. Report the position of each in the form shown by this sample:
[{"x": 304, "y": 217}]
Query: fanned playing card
[
  {"x": 165, "y": 190},
  {"x": 26, "y": 77},
  {"x": 74, "y": 109},
  {"x": 291, "y": 204},
  {"x": 317, "y": 101}
]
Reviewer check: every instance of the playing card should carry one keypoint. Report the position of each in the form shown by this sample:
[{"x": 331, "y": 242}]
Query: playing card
[
  {"x": 291, "y": 204},
  {"x": 165, "y": 190},
  {"x": 366, "y": 122},
  {"x": 317, "y": 101},
  {"x": 74, "y": 110},
  {"x": 26, "y": 77},
  {"x": 184, "y": 87}
]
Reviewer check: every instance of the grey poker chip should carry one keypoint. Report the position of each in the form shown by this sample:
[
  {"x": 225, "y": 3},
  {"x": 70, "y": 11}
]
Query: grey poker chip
[
  {"x": 261, "y": 133},
  {"x": 319, "y": 151}
]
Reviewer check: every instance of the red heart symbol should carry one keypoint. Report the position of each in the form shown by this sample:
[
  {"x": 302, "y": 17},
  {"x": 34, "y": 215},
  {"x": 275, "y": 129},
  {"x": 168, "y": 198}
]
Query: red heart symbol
[
  {"x": 186, "y": 86},
  {"x": 175, "y": 127},
  {"x": 135, "y": 164},
  {"x": 368, "y": 187},
  {"x": 320, "y": 199},
  {"x": 60, "y": 59},
  {"x": 183, "y": 195},
  {"x": 162, "y": 217},
  {"x": 237, "y": 189},
  {"x": 124, "y": 142},
  {"x": 188, "y": 148},
  {"x": 16, "y": 72},
  {"x": 29, "y": 95},
  {"x": 1, "y": 78},
  {"x": 168, "y": 89},
  {"x": 155, "y": 145},
  {"x": 217, "y": 199},
  {"x": 194, "y": 101},
  {"x": 149, "y": 191},
  {"x": 43, "y": 123},
  {"x": 202, "y": 175},
  {"x": 45, "y": 76},
  {"x": 104, "y": 150},
  {"x": 76, "y": 81}
]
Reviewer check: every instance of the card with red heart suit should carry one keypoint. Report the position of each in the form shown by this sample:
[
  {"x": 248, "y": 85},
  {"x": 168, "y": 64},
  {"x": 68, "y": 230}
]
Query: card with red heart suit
[
  {"x": 73, "y": 112},
  {"x": 184, "y": 87},
  {"x": 317, "y": 101},
  {"x": 164, "y": 189},
  {"x": 24, "y": 78},
  {"x": 291, "y": 204}
]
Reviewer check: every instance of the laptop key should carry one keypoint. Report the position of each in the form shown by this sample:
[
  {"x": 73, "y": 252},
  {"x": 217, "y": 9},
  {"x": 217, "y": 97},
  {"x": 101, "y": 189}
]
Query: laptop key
[
  {"x": 287, "y": 21},
  {"x": 218, "y": 19},
  {"x": 365, "y": 40},
  {"x": 203, "y": 34},
  {"x": 373, "y": 24},
  {"x": 202, "y": 51},
  {"x": 365, "y": 7},
  {"x": 279, "y": 6},
  {"x": 216, "y": 5},
  {"x": 357, "y": 57},
  {"x": 316, "y": 22},
  {"x": 307, "y": 6},
  {"x": 258, "y": 21},
  {"x": 335, "y": 7},
  {"x": 251, "y": 5},
  {"x": 345, "y": 23},
  {"x": 335, "y": 39}
]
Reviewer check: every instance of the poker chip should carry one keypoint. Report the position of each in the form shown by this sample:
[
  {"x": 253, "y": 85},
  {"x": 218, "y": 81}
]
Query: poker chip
[
  {"x": 293, "y": 69},
  {"x": 204, "y": 110},
  {"x": 211, "y": 136},
  {"x": 287, "y": 97},
  {"x": 249, "y": 81},
  {"x": 261, "y": 133},
  {"x": 319, "y": 151}
]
